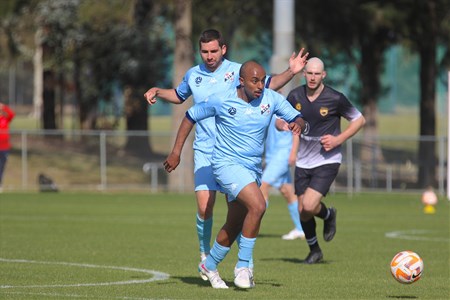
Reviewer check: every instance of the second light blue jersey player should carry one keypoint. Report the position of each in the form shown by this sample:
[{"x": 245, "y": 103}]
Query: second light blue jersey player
[
  {"x": 276, "y": 155},
  {"x": 201, "y": 82},
  {"x": 279, "y": 155},
  {"x": 241, "y": 130}
]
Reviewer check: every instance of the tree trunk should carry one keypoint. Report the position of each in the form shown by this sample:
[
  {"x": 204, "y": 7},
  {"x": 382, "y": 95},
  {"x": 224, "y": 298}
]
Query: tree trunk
[
  {"x": 48, "y": 111},
  {"x": 182, "y": 179},
  {"x": 136, "y": 120},
  {"x": 428, "y": 70}
]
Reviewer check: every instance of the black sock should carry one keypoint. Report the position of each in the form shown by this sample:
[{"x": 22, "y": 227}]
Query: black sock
[
  {"x": 323, "y": 213},
  {"x": 309, "y": 228}
]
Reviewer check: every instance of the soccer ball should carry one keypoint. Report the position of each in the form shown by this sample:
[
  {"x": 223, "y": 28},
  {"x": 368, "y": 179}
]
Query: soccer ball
[{"x": 407, "y": 267}]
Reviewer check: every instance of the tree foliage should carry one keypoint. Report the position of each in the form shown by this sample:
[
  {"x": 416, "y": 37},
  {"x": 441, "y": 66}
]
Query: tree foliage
[{"x": 102, "y": 44}]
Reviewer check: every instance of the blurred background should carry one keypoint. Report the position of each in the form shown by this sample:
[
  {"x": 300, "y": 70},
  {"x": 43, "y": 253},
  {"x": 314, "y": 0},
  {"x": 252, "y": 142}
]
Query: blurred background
[{"x": 75, "y": 72}]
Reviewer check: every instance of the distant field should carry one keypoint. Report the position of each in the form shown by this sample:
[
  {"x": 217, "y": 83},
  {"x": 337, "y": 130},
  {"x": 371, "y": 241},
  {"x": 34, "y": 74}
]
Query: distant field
[
  {"x": 144, "y": 246},
  {"x": 388, "y": 124}
]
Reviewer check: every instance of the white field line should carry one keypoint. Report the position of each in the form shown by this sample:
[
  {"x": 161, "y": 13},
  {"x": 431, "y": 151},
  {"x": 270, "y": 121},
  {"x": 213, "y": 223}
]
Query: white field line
[
  {"x": 59, "y": 295},
  {"x": 156, "y": 275},
  {"x": 415, "y": 235}
]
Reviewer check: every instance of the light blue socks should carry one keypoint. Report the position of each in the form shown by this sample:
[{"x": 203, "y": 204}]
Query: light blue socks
[
  {"x": 217, "y": 254},
  {"x": 204, "y": 228},
  {"x": 295, "y": 216},
  {"x": 245, "y": 254}
]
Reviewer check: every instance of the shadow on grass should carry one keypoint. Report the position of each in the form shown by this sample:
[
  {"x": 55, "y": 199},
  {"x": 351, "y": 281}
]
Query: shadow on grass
[
  {"x": 295, "y": 261},
  {"x": 199, "y": 282},
  {"x": 262, "y": 236},
  {"x": 402, "y": 297},
  {"x": 192, "y": 280}
]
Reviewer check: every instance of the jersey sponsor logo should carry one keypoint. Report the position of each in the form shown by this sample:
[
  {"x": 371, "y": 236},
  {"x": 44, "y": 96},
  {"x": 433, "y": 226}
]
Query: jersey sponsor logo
[
  {"x": 265, "y": 109},
  {"x": 229, "y": 76},
  {"x": 198, "y": 80},
  {"x": 248, "y": 111},
  {"x": 232, "y": 111},
  {"x": 298, "y": 106},
  {"x": 323, "y": 111}
]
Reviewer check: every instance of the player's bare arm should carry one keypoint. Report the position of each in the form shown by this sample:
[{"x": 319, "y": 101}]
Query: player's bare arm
[
  {"x": 296, "y": 65},
  {"x": 173, "y": 160},
  {"x": 297, "y": 126},
  {"x": 281, "y": 125},
  {"x": 330, "y": 142},
  {"x": 168, "y": 95}
]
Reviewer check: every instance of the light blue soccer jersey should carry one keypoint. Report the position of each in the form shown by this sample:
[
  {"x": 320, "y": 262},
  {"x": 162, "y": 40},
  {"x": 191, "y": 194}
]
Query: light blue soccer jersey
[
  {"x": 241, "y": 127},
  {"x": 200, "y": 83},
  {"x": 278, "y": 143}
]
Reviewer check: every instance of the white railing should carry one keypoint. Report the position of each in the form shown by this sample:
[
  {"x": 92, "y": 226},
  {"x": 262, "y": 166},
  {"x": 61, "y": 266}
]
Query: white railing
[{"x": 100, "y": 160}]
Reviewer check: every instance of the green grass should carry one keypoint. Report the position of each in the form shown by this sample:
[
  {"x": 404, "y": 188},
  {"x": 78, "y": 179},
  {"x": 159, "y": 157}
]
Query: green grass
[{"x": 70, "y": 243}]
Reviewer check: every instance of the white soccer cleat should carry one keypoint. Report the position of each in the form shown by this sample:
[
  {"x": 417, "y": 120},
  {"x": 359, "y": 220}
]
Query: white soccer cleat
[
  {"x": 294, "y": 234},
  {"x": 243, "y": 278},
  {"x": 212, "y": 276}
]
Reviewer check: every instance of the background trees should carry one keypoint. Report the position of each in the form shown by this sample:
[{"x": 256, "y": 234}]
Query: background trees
[{"x": 91, "y": 53}]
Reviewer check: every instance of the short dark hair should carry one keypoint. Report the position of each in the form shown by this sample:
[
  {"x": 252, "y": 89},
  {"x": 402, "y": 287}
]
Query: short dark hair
[{"x": 209, "y": 35}]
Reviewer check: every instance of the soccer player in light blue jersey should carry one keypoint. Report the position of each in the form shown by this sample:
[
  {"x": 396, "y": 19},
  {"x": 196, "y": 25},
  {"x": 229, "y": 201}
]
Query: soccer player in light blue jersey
[
  {"x": 215, "y": 74},
  {"x": 241, "y": 120},
  {"x": 279, "y": 155}
]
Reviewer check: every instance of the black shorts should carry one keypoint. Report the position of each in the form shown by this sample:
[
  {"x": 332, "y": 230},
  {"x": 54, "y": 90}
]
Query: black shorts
[{"x": 319, "y": 178}]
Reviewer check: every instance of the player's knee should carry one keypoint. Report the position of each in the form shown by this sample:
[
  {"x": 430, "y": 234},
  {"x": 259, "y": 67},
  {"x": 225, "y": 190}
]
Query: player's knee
[
  {"x": 257, "y": 208},
  {"x": 308, "y": 208}
]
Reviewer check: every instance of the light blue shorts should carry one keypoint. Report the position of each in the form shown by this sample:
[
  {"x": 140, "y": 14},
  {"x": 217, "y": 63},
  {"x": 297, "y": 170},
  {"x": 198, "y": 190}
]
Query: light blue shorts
[
  {"x": 233, "y": 178},
  {"x": 203, "y": 173},
  {"x": 277, "y": 172}
]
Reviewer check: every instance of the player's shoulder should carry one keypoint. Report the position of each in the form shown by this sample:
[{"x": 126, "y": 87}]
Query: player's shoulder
[
  {"x": 333, "y": 93},
  {"x": 297, "y": 93},
  {"x": 231, "y": 64},
  {"x": 195, "y": 70}
]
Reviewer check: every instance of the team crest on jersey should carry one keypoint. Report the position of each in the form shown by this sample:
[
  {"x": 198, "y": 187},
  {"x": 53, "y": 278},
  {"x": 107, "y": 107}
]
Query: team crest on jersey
[
  {"x": 198, "y": 80},
  {"x": 229, "y": 76},
  {"x": 298, "y": 106},
  {"x": 265, "y": 109},
  {"x": 323, "y": 111},
  {"x": 232, "y": 111}
]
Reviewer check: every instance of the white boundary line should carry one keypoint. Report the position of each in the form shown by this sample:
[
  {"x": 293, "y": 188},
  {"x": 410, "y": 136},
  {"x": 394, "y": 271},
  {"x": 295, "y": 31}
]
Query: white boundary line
[
  {"x": 58, "y": 295},
  {"x": 156, "y": 275},
  {"x": 415, "y": 235}
]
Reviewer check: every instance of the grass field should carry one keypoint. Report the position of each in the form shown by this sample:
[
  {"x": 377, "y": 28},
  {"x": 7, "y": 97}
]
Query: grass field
[{"x": 144, "y": 246}]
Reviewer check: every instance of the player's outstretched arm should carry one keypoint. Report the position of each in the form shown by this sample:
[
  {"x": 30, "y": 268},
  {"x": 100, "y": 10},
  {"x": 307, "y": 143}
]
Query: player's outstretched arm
[
  {"x": 168, "y": 95},
  {"x": 173, "y": 160},
  {"x": 296, "y": 64}
]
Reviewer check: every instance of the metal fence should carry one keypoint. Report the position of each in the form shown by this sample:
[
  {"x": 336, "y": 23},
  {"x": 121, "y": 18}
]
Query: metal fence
[{"x": 104, "y": 161}]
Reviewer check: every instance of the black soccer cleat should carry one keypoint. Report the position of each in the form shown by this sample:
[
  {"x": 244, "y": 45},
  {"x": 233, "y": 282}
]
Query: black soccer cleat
[
  {"x": 313, "y": 257},
  {"x": 329, "y": 225}
]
